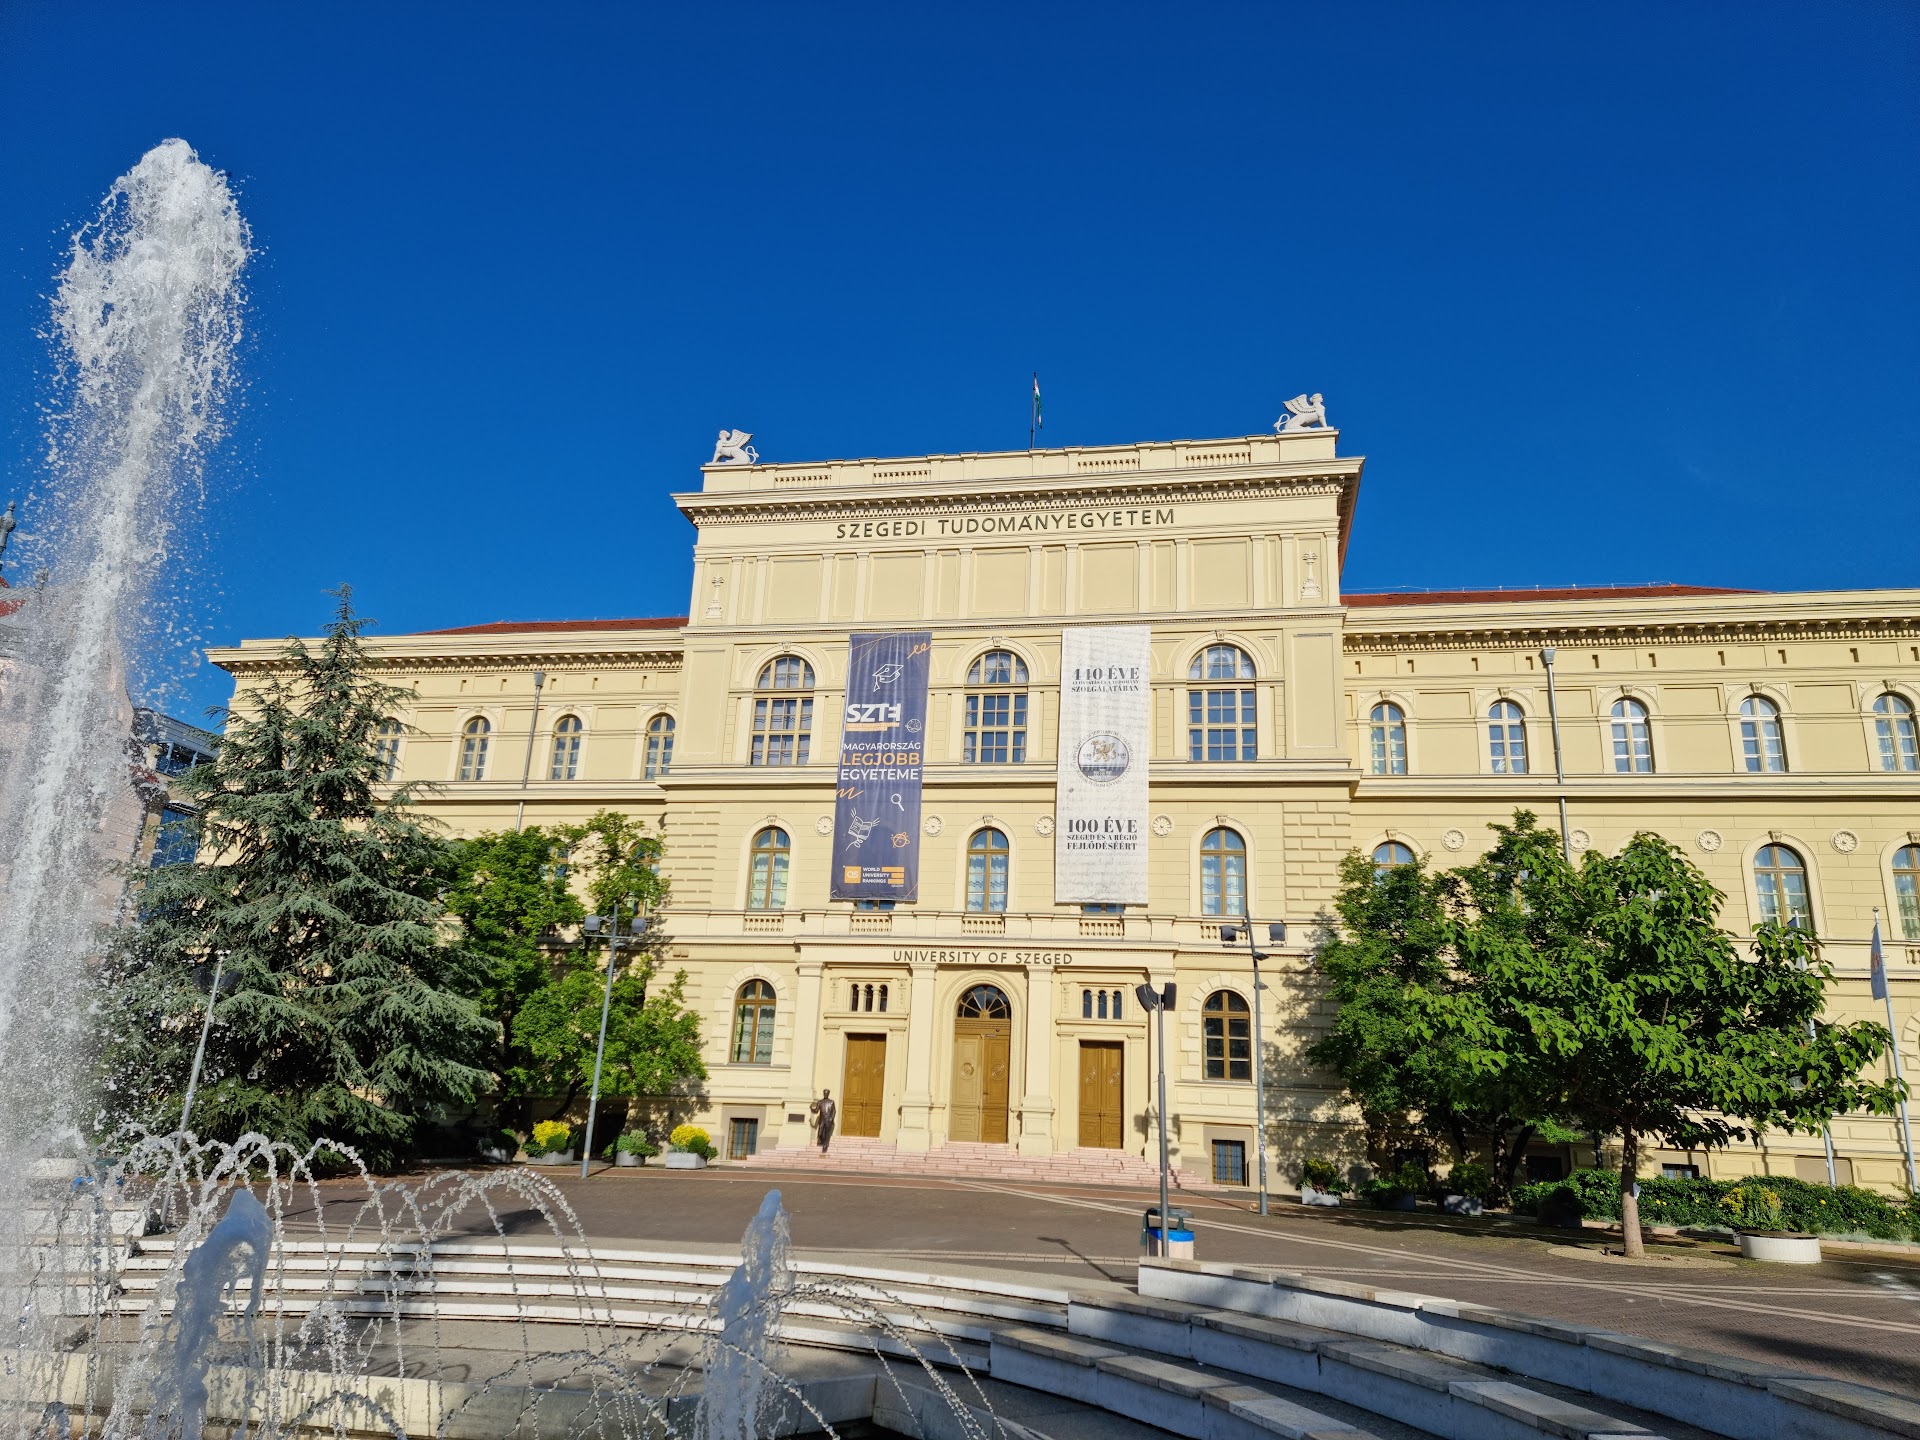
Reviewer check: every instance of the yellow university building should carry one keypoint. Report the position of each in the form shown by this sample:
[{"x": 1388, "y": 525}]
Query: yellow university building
[{"x": 1284, "y": 722}]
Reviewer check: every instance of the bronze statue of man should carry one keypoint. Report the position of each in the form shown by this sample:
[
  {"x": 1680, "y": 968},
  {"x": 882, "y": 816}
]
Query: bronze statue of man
[{"x": 823, "y": 1111}]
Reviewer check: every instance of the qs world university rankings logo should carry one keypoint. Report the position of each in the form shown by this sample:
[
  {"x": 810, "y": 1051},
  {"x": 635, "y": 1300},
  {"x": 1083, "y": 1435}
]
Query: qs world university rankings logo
[{"x": 876, "y": 821}]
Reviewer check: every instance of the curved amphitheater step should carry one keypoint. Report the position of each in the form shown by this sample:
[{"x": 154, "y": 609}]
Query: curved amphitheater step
[
  {"x": 963, "y": 1160},
  {"x": 1473, "y": 1370}
]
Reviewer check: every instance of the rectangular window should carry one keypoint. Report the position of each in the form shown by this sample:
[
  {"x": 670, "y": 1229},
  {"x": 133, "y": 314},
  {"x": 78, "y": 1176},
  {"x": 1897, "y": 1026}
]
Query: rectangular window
[
  {"x": 1545, "y": 1167},
  {"x": 1221, "y": 725},
  {"x": 1229, "y": 1162},
  {"x": 1669, "y": 1171},
  {"x": 176, "y": 842},
  {"x": 781, "y": 731},
  {"x": 1093, "y": 909},
  {"x": 743, "y": 1138}
]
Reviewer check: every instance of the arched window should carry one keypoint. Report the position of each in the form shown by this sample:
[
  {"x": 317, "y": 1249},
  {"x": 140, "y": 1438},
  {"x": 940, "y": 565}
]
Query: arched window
[
  {"x": 1893, "y": 726},
  {"x": 1117, "y": 1012},
  {"x": 1780, "y": 879},
  {"x": 996, "y": 728},
  {"x": 1103, "y": 1005},
  {"x": 1762, "y": 747},
  {"x": 883, "y": 999},
  {"x": 566, "y": 748},
  {"x": 386, "y": 744},
  {"x": 783, "y": 723},
  {"x": 1223, "y": 873},
  {"x": 1632, "y": 741},
  {"x": 1390, "y": 856},
  {"x": 473, "y": 749},
  {"x": 753, "y": 1024},
  {"x": 1220, "y": 712},
  {"x": 1387, "y": 734},
  {"x": 1227, "y": 1030},
  {"x": 869, "y": 999},
  {"x": 1086, "y": 1004},
  {"x": 767, "y": 880},
  {"x": 659, "y": 757},
  {"x": 1906, "y": 889},
  {"x": 987, "y": 871},
  {"x": 1507, "y": 738},
  {"x": 984, "y": 1002}
]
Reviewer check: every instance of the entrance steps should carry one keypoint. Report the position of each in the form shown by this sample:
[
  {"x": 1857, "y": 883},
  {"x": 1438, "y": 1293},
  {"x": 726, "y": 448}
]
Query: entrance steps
[{"x": 964, "y": 1160}]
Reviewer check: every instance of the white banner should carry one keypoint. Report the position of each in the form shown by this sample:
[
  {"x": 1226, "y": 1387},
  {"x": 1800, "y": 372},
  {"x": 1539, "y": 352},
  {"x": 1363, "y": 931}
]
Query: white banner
[{"x": 1100, "y": 808}]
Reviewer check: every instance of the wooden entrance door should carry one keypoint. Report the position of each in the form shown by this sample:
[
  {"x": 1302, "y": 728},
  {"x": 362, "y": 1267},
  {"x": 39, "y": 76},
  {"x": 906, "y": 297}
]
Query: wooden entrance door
[
  {"x": 865, "y": 1088},
  {"x": 1100, "y": 1094},
  {"x": 982, "y": 1068}
]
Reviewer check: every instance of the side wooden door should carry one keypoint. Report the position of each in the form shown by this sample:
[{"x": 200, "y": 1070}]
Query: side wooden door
[
  {"x": 865, "y": 1089},
  {"x": 1101, "y": 1117},
  {"x": 968, "y": 1087}
]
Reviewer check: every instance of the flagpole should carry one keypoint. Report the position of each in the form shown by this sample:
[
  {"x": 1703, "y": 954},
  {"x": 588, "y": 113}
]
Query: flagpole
[
  {"x": 1886, "y": 994},
  {"x": 1032, "y": 410}
]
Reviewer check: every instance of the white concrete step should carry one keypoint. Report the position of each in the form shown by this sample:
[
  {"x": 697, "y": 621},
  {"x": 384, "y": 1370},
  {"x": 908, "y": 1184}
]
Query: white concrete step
[{"x": 1376, "y": 1336}]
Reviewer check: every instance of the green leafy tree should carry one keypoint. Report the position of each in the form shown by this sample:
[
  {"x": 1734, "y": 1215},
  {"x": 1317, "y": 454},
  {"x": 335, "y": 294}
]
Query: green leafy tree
[
  {"x": 343, "y": 1012},
  {"x": 1415, "y": 1084},
  {"x": 511, "y": 892},
  {"x": 653, "y": 1040},
  {"x": 1608, "y": 992}
]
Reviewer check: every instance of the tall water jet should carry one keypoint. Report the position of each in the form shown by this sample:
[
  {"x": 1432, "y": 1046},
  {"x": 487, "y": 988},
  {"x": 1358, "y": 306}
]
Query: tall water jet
[
  {"x": 146, "y": 318},
  {"x": 738, "y": 1377}
]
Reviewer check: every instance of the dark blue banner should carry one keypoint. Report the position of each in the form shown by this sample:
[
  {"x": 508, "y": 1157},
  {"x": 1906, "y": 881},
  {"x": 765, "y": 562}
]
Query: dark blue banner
[{"x": 876, "y": 819}]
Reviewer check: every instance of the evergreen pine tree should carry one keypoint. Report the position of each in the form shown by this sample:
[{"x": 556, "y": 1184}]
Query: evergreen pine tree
[{"x": 344, "y": 1012}]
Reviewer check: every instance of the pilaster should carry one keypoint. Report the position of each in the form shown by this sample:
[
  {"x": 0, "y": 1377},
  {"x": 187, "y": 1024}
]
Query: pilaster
[
  {"x": 806, "y": 1048},
  {"x": 1036, "y": 1106},
  {"x": 916, "y": 1107}
]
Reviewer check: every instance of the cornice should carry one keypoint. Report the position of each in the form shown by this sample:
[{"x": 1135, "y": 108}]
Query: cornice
[
  {"x": 1697, "y": 620},
  {"x": 453, "y": 653},
  {"x": 760, "y": 507}
]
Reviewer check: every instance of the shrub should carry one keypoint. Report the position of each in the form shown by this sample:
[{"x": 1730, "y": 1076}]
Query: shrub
[
  {"x": 635, "y": 1145},
  {"x": 1410, "y": 1179},
  {"x": 691, "y": 1140},
  {"x": 1471, "y": 1179},
  {"x": 1813, "y": 1208},
  {"x": 1752, "y": 1207},
  {"x": 550, "y": 1137},
  {"x": 1322, "y": 1175},
  {"x": 508, "y": 1141}
]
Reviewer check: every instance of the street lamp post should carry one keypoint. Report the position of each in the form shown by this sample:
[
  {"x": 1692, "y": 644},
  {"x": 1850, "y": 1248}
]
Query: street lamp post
[
  {"x": 594, "y": 925},
  {"x": 1559, "y": 774},
  {"x": 526, "y": 767},
  {"x": 1159, "y": 1002},
  {"x": 1276, "y": 935}
]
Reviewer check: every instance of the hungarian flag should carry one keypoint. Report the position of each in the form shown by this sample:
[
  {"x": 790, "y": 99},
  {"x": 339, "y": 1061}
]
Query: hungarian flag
[
  {"x": 1878, "y": 962},
  {"x": 1036, "y": 400}
]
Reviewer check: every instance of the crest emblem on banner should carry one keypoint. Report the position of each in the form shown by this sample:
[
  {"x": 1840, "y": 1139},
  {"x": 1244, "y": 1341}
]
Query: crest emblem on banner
[{"x": 1103, "y": 758}]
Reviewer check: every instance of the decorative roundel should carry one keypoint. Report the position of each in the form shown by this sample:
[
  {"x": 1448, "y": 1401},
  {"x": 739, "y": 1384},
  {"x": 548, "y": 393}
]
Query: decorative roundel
[
  {"x": 1845, "y": 841},
  {"x": 1708, "y": 840},
  {"x": 1044, "y": 825},
  {"x": 1580, "y": 840},
  {"x": 1454, "y": 840},
  {"x": 1162, "y": 825},
  {"x": 823, "y": 826},
  {"x": 932, "y": 825}
]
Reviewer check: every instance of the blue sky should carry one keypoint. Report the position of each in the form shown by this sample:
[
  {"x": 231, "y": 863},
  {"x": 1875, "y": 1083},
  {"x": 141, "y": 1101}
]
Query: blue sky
[{"x": 1603, "y": 292}]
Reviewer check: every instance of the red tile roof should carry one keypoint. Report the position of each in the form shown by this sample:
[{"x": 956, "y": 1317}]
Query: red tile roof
[
  {"x": 548, "y": 627},
  {"x": 1514, "y": 596}
]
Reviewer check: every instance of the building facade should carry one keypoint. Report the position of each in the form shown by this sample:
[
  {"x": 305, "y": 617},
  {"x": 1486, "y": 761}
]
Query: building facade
[{"x": 1291, "y": 723}]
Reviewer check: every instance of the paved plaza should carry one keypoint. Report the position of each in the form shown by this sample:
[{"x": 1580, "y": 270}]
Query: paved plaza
[{"x": 1855, "y": 1317}]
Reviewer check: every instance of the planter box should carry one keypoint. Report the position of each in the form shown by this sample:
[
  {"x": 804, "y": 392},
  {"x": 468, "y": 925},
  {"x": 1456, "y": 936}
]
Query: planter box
[
  {"x": 495, "y": 1154},
  {"x": 1400, "y": 1202},
  {"x": 680, "y": 1160},
  {"x": 565, "y": 1157},
  {"x": 1311, "y": 1196},
  {"x": 1460, "y": 1205},
  {"x": 626, "y": 1161},
  {"x": 1781, "y": 1247}
]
